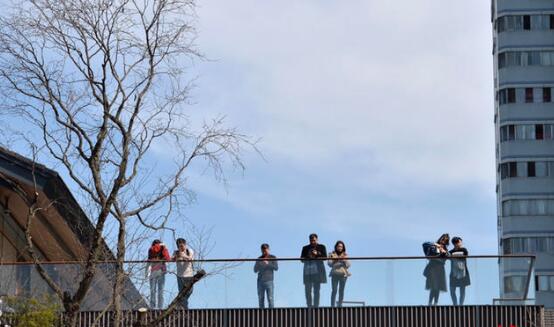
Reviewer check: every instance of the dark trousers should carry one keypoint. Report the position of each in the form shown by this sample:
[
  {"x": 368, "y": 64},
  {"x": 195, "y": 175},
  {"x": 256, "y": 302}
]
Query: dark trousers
[
  {"x": 308, "y": 286},
  {"x": 337, "y": 282},
  {"x": 263, "y": 288},
  {"x": 462, "y": 295},
  {"x": 434, "y": 296},
  {"x": 183, "y": 282}
]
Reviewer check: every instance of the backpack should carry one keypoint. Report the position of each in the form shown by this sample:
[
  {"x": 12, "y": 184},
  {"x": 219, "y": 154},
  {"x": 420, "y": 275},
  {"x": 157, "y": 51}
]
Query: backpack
[{"x": 430, "y": 249}]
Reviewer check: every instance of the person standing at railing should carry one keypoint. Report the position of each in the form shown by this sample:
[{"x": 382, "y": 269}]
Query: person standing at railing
[
  {"x": 156, "y": 270},
  {"x": 339, "y": 264},
  {"x": 265, "y": 269},
  {"x": 314, "y": 270},
  {"x": 183, "y": 257},
  {"x": 459, "y": 275},
  {"x": 434, "y": 271}
]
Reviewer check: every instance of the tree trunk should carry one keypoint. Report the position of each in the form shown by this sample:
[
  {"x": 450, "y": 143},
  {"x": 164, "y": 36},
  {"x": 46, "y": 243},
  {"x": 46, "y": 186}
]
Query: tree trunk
[{"x": 119, "y": 273}]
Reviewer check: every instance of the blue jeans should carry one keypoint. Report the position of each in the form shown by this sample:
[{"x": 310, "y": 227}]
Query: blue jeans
[
  {"x": 157, "y": 282},
  {"x": 183, "y": 282},
  {"x": 263, "y": 288}
]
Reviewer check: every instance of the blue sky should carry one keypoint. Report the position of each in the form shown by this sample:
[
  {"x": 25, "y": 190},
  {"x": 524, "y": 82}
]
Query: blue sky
[{"x": 375, "y": 119}]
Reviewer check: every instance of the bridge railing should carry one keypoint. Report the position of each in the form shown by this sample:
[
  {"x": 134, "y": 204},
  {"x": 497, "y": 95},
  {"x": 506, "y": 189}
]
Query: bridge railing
[{"x": 233, "y": 283}]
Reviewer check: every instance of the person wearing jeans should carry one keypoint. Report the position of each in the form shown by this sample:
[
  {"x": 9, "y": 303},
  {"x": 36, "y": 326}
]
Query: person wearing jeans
[
  {"x": 156, "y": 270},
  {"x": 157, "y": 283},
  {"x": 183, "y": 258},
  {"x": 314, "y": 270},
  {"x": 265, "y": 267},
  {"x": 339, "y": 272}
]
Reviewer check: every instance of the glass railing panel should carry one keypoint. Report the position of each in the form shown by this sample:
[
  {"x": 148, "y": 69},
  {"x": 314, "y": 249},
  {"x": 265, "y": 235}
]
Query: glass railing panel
[{"x": 233, "y": 284}]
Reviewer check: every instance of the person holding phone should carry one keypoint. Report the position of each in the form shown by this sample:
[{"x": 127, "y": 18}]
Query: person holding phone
[
  {"x": 339, "y": 263},
  {"x": 459, "y": 274},
  {"x": 434, "y": 272},
  {"x": 265, "y": 268},
  {"x": 314, "y": 270},
  {"x": 183, "y": 257}
]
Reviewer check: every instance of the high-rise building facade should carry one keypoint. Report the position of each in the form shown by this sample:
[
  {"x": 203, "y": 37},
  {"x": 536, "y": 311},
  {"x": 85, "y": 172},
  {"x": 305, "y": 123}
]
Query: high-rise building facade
[{"x": 523, "y": 50}]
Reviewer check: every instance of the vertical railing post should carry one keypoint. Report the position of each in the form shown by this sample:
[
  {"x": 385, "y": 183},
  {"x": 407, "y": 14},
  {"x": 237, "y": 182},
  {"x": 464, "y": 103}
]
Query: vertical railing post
[{"x": 142, "y": 317}]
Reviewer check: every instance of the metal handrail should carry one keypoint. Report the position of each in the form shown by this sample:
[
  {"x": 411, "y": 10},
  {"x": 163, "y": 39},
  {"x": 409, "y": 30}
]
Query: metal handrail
[{"x": 528, "y": 256}]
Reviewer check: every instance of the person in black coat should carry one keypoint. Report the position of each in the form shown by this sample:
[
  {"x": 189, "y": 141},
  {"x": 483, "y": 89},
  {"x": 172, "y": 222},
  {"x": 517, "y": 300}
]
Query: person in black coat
[
  {"x": 314, "y": 269},
  {"x": 459, "y": 274},
  {"x": 434, "y": 271}
]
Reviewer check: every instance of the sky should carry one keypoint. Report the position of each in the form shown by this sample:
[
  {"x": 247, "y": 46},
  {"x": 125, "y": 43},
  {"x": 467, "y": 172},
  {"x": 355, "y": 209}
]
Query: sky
[
  {"x": 376, "y": 127},
  {"x": 375, "y": 119}
]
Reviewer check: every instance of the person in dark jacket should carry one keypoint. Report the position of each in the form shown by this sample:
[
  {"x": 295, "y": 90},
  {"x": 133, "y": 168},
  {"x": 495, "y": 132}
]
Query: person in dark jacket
[
  {"x": 314, "y": 269},
  {"x": 434, "y": 271},
  {"x": 265, "y": 269},
  {"x": 459, "y": 275}
]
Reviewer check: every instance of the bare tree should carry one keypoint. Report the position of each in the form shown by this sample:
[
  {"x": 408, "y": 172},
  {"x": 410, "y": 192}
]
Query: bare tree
[{"x": 104, "y": 83}]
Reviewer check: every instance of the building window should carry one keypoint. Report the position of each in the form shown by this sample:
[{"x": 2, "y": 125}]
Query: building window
[
  {"x": 524, "y": 95},
  {"x": 526, "y": 132},
  {"x": 529, "y": 207},
  {"x": 528, "y": 94},
  {"x": 524, "y": 245},
  {"x": 541, "y": 169},
  {"x": 539, "y": 132},
  {"x": 511, "y": 95},
  {"x": 525, "y": 58},
  {"x": 546, "y": 95},
  {"x": 526, "y": 22},
  {"x": 544, "y": 283},
  {"x": 526, "y": 169},
  {"x": 513, "y": 23},
  {"x": 514, "y": 284},
  {"x": 501, "y": 97},
  {"x": 549, "y": 131},
  {"x": 512, "y": 169},
  {"x": 531, "y": 169},
  {"x": 501, "y": 60}
]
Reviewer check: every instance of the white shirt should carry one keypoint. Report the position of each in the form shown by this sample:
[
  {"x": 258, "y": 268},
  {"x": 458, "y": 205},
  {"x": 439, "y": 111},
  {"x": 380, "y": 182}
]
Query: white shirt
[{"x": 184, "y": 262}]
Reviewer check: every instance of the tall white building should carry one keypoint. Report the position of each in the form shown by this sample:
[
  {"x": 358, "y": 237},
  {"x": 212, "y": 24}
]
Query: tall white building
[{"x": 523, "y": 49}]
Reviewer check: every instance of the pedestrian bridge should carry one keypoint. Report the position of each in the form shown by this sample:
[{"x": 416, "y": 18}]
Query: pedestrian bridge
[{"x": 381, "y": 291}]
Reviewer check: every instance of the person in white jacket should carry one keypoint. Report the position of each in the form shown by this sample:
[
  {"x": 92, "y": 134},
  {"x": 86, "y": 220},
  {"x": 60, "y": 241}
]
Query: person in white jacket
[{"x": 183, "y": 257}]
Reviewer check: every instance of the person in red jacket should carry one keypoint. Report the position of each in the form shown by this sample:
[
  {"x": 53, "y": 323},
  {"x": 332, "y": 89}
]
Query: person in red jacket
[{"x": 156, "y": 270}]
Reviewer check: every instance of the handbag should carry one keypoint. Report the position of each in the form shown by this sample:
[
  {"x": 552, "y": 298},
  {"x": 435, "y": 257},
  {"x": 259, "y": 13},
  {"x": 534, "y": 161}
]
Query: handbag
[{"x": 340, "y": 272}]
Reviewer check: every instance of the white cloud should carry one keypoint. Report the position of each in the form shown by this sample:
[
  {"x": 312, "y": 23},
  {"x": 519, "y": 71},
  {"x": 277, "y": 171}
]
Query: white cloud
[{"x": 394, "y": 92}]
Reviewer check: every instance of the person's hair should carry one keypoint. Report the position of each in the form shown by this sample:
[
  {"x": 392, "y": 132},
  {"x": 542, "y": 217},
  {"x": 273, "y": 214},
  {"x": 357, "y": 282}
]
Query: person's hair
[
  {"x": 264, "y": 246},
  {"x": 456, "y": 240},
  {"x": 343, "y": 246},
  {"x": 181, "y": 240},
  {"x": 446, "y": 237},
  {"x": 312, "y": 235},
  {"x": 158, "y": 254}
]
